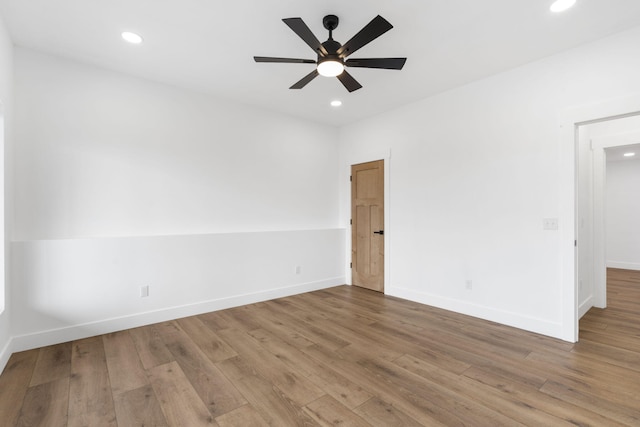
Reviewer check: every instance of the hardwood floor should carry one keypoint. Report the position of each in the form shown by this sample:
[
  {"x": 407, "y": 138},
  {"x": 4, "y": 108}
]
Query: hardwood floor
[{"x": 342, "y": 356}]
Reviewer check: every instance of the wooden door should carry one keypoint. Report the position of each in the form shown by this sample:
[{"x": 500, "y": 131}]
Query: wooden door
[{"x": 367, "y": 229}]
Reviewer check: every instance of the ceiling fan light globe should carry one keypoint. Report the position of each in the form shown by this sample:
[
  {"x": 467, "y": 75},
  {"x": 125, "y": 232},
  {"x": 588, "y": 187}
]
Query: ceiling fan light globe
[{"x": 330, "y": 68}]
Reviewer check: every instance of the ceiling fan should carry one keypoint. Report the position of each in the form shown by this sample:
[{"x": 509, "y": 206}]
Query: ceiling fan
[{"x": 332, "y": 55}]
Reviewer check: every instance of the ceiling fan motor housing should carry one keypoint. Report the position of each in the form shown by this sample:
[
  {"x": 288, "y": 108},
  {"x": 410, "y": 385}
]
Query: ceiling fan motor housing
[
  {"x": 332, "y": 47},
  {"x": 330, "y": 22}
]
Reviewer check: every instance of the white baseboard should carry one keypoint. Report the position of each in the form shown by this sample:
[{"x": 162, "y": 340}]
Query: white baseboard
[
  {"x": 585, "y": 306},
  {"x": 5, "y": 354},
  {"x": 623, "y": 265},
  {"x": 516, "y": 320},
  {"x": 75, "y": 332}
]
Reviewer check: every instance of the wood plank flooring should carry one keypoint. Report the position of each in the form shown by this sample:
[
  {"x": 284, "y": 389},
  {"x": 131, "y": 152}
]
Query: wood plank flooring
[{"x": 342, "y": 356}]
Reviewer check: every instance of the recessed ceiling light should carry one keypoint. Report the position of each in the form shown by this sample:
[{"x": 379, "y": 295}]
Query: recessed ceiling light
[
  {"x": 629, "y": 154},
  {"x": 336, "y": 103},
  {"x": 562, "y": 5},
  {"x": 132, "y": 37}
]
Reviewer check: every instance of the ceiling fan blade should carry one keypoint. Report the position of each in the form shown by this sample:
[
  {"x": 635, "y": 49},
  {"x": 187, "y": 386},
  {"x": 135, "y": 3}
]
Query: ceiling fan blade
[
  {"x": 374, "y": 29},
  {"x": 306, "y": 79},
  {"x": 300, "y": 28},
  {"x": 349, "y": 82},
  {"x": 283, "y": 60},
  {"x": 386, "y": 63}
]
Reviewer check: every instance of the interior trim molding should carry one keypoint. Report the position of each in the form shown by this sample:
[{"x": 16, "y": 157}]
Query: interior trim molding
[
  {"x": 5, "y": 354},
  {"x": 585, "y": 306},
  {"x": 623, "y": 265}
]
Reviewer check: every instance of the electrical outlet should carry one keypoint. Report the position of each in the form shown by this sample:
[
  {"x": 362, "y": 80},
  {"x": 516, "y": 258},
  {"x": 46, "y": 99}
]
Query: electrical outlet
[
  {"x": 144, "y": 291},
  {"x": 298, "y": 269},
  {"x": 550, "y": 224},
  {"x": 469, "y": 285}
]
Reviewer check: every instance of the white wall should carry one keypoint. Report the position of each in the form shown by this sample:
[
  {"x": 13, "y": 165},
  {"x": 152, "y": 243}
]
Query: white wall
[
  {"x": 122, "y": 182},
  {"x": 103, "y": 154},
  {"x": 623, "y": 214},
  {"x": 74, "y": 288},
  {"x": 474, "y": 171},
  {"x": 6, "y": 98}
]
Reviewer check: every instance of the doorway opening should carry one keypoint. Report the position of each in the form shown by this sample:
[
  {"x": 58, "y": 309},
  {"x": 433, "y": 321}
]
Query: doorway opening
[{"x": 598, "y": 220}]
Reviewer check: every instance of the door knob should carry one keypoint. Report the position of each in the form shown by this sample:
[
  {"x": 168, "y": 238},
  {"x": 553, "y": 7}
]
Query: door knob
[{"x": 381, "y": 232}]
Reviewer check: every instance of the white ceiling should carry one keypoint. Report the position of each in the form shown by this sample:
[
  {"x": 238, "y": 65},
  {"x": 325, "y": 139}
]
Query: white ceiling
[
  {"x": 208, "y": 45},
  {"x": 616, "y": 154}
]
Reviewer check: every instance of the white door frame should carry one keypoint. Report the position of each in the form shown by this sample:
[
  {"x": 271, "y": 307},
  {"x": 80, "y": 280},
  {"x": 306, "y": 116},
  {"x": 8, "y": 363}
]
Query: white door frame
[
  {"x": 569, "y": 121},
  {"x": 374, "y": 155},
  {"x": 598, "y": 146}
]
